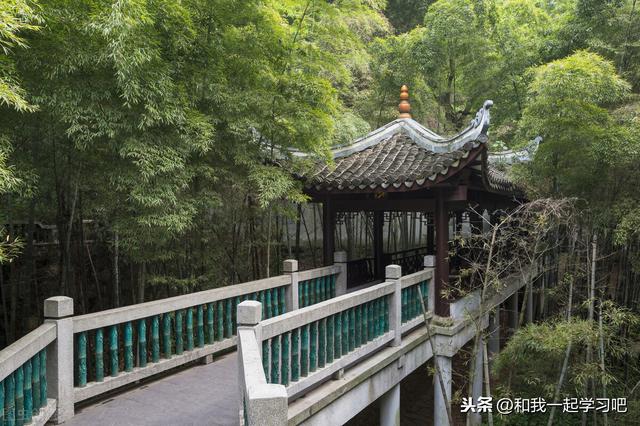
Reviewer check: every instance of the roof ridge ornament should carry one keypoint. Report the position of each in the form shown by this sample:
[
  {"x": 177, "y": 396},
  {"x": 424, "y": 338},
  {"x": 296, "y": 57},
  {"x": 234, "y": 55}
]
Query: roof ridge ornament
[
  {"x": 404, "y": 107},
  {"x": 483, "y": 117}
]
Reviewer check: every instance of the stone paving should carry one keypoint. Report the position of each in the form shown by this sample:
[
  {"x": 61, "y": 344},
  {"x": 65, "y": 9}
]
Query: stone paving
[{"x": 199, "y": 395}]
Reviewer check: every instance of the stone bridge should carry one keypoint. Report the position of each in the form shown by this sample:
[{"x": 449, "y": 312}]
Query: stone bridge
[{"x": 308, "y": 352}]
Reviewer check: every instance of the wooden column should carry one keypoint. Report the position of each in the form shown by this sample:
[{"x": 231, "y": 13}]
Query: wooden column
[
  {"x": 328, "y": 232},
  {"x": 378, "y": 238},
  {"x": 442, "y": 255},
  {"x": 431, "y": 245}
]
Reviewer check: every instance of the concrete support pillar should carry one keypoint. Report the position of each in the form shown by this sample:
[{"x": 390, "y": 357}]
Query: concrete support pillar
[
  {"x": 440, "y": 417},
  {"x": 390, "y": 407},
  {"x": 393, "y": 273},
  {"x": 59, "y": 310},
  {"x": 290, "y": 267},
  {"x": 340, "y": 260},
  {"x": 493, "y": 346},
  {"x": 476, "y": 387}
]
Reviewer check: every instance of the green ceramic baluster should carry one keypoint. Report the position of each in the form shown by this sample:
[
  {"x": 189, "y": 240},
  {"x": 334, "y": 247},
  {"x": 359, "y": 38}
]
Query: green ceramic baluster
[
  {"x": 283, "y": 301},
  {"x": 380, "y": 303},
  {"x": 210, "y": 329},
  {"x": 35, "y": 385},
  {"x": 330, "y": 339},
  {"x": 276, "y": 300},
  {"x": 284, "y": 359},
  {"x": 81, "y": 353},
  {"x": 323, "y": 288},
  {"x": 322, "y": 335},
  {"x": 99, "y": 361},
  {"x": 19, "y": 396},
  {"x": 234, "y": 312},
  {"x": 316, "y": 291},
  {"x": 304, "y": 351},
  {"x": 313, "y": 347},
  {"x": 113, "y": 349},
  {"x": 28, "y": 394},
  {"x": 166, "y": 334},
  {"x": 155, "y": 338},
  {"x": 179, "y": 333},
  {"x": 345, "y": 332},
  {"x": 307, "y": 300},
  {"x": 128, "y": 346},
  {"x": 43, "y": 378},
  {"x": 2, "y": 402},
  {"x": 371, "y": 321},
  {"x": 295, "y": 362},
  {"x": 387, "y": 303},
  {"x": 352, "y": 329},
  {"x": 142, "y": 342},
  {"x": 300, "y": 294},
  {"x": 275, "y": 359},
  {"x": 337, "y": 335},
  {"x": 358, "y": 335},
  {"x": 405, "y": 297},
  {"x": 268, "y": 309},
  {"x": 219, "y": 321},
  {"x": 264, "y": 306},
  {"x": 265, "y": 360},
  {"x": 228, "y": 332},
  {"x": 333, "y": 286},
  {"x": 189, "y": 329},
  {"x": 365, "y": 324},
  {"x": 10, "y": 400},
  {"x": 200, "y": 327}
]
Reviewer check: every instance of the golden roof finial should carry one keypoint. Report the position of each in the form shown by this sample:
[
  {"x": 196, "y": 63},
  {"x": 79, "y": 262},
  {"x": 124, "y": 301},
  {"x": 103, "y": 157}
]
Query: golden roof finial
[{"x": 404, "y": 108}]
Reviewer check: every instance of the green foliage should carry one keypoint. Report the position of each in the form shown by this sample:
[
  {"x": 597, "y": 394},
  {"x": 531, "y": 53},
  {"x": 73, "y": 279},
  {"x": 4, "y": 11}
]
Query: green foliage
[{"x": 567, "y": 107}]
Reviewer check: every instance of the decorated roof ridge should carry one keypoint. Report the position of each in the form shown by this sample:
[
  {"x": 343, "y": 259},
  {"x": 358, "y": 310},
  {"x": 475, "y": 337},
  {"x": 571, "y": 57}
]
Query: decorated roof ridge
[
  {"x": 422, "y": 136},
  {"x": 510, "y": 156}
]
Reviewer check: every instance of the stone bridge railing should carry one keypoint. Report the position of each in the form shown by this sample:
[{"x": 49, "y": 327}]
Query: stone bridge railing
[
  {"x": 70, "y": 359},
  {"x": 283, "y": 357}
]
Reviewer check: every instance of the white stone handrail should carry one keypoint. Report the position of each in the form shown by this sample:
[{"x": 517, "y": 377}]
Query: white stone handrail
[
  {"x": 18, "y": 353},
  {"x": 416, "y": 277},
  {"x": 310, "y": 274},
  {"x": 156, "y": 307},
  {"x": 295, "y": 319}
]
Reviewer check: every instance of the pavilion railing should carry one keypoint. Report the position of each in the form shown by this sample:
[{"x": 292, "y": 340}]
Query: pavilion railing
[
  {"x": 360, "y": 271},
  {"x": 411, "y": 260},
  {"x": 23, "y": 379}
]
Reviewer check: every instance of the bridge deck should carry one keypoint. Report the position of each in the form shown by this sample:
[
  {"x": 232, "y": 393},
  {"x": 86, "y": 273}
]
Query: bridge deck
[{"x": 200, "y": 395}]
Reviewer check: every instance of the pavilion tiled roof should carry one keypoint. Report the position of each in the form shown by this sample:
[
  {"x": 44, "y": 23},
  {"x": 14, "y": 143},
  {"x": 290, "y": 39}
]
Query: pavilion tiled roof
[
  {"x": 404, "y": 155},
  {"x": 394, "y": 162}
]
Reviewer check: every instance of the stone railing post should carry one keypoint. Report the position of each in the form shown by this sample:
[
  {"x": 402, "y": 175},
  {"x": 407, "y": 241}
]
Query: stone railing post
[
  {"x": 265, "y": 404},
  {"x": 430, "y": 263},
  {"x": 340, "y": 260},
  {"x": 59, "y": 310},
  {"x": 393, "y": 273},
  {"x": 290, "y": 267}
]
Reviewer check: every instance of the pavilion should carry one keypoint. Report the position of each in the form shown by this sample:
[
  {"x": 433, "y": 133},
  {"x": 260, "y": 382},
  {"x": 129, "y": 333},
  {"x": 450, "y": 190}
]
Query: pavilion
[{"x": 405, "y": 167}]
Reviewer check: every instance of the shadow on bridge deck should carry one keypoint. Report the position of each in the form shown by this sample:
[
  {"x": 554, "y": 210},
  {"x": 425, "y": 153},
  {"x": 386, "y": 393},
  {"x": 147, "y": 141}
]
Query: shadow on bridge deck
[{"x": 200, "y": 395}]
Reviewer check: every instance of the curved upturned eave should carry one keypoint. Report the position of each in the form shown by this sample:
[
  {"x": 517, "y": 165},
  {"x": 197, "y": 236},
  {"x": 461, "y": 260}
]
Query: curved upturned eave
[{"x": 422, "y": 136}]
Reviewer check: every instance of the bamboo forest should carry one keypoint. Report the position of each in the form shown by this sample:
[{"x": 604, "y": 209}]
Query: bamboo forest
[{"x": 362, "y": 212}]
